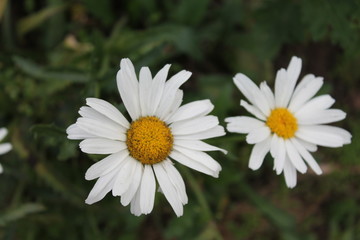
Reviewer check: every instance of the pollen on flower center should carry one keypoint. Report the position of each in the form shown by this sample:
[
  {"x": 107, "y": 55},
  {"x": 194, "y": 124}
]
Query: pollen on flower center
[
  {"x": 282, "y": 122},
  {"x": 149, "y": 140}
]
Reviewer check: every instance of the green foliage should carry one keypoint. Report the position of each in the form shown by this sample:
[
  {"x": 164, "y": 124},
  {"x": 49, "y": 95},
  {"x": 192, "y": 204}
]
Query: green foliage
[
  {"x": 54, "y": 54},
  {"x": 20, "y": 212},
  {"x": 29, "y": 23},
  {"x": 38, "y": 72}
]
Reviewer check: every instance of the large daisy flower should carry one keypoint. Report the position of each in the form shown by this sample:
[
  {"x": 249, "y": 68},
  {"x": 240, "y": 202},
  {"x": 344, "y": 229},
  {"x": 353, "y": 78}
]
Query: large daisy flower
[
  {"x": 4, "y": 147},
  {"x": 289, "y": 123},
  {"x": 141, "y": 150}
]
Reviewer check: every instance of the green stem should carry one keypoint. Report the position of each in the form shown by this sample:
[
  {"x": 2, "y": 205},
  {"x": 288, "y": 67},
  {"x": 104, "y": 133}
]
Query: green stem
[{"x": 202, "y": 202}]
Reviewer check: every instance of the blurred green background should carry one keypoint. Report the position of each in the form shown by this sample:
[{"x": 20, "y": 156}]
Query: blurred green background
[{"x": 54, "y": 54}]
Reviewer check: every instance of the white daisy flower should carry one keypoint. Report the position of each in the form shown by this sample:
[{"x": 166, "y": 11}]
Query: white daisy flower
[
  {"x": 4, "y": 147},
  {"x": 289, "y": 123},
  {"x": 140, "y": 150}
]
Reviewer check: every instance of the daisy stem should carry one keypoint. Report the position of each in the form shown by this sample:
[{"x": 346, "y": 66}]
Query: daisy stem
[{"x": 202, "y": 202}]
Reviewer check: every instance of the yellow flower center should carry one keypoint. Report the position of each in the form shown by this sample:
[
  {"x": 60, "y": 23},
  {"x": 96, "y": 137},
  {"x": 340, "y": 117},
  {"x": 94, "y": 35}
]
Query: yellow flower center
[
  {"x": 282, "y": 122},
  {"x": 149, "y": 140}
]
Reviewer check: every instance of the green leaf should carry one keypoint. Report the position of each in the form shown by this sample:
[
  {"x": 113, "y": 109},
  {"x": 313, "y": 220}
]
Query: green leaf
[
  {"x": 101, "y": 10},
  {"x": 20, "y": 212},
  {"x": 3, "y": 5},
  {"x": 35, "y": 20},
  {"x": 210, "y": 232},
  {"x": 47, "y": 129},
  {"x": 281, "y": 219},
  {"x": 191, "y": 12},
  {"x": 36, "y": 71},
  {"x": 57, "y": 183},
  {"x": 167, "y": 36}
]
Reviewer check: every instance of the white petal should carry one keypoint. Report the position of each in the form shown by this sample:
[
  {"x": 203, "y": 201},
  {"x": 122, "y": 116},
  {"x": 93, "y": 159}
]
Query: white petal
[
  {"x": 176, "y": 180},
  {"x": 134, "y": 186},
  {"x": 321, "y": 117},
  {"x": 258, "y": 135},
  {"x": 145, "y": 82},
  {"x": 265, "y": 89},
  {"x": 124, "y": 177},
  {"x": 280, "y": 84},
  {"x": 278, "y": 152},
  {"x": 253, "y": 110},
  {"x": 1, "y": 169},
  {"x": 127, "y": 66},
  {"x": 100, "y": 129},
  {"x": 128, "y": 87},
  {"x": 327, "y": 136},
  {"x": 243, "y": 124},
  {"x": 346, "y": 136},
  {"x": 76, "y": 133},
  {"x": 201, "y": 158},
  {"x": 308, "y": 78},
  {"x": 197, "y": 145},
  {"x": 293, "y": 72},
  {"x": 290, "y": 174},
  {"x": 174, "y": 106},
  {"x": 195, "y": 125},
  {"x": 171, "y": 87},
  {"x": 168, "y": 189},
  {"x": 90, "y": 113},
  {"x": 306, "y": 156},
  {"x": 258, "y": 154},
  {"x": 157, "y": 88},
  {"x": 191, "y": 110},
  {"x": 5, "y": 147},
  {"x": 246, "y": 86},
  {"x": 135, "y": 204},
  {"x": 102, "y": 186},
  {"x": 147, "y": 190},
  {"x": 316, "y": 104},
  {"x": 101, "y": 146},
  {"x": 184, "y": 160},
  {"x": 252, "y": 93},
  {"x": 211, "y": 133},
  {"x": 274, "y": 146},
  {"x": 105, "y": 165},
  {"x": 108, "y": 110},
  {"x": 3, "y": 133},
  {"x": 294, "y": 69},
  {"x": 307, "y": 88},
  {"x": 307, "y": 145},
  {"x": 295, "y": 157}
]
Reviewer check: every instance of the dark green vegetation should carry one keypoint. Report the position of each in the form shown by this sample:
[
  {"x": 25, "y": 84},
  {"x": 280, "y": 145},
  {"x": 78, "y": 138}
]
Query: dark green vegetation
[{"x": 54, "y": 54}]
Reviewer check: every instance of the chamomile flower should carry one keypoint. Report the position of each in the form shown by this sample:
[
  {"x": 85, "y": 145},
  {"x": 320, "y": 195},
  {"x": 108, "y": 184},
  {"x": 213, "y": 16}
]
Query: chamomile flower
[
  {"x": 4, "y": 147},
  {"x": 290, "y": 123},
  {"x": 141, "y": 150}
]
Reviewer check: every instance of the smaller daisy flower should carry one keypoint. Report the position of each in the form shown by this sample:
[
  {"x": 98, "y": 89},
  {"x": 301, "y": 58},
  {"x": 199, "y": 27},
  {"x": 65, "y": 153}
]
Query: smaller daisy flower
[
  {"x": 290, "y": 123},
  {"x": 4, "y": 147},
  {"x": 141, "y": 150}
]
